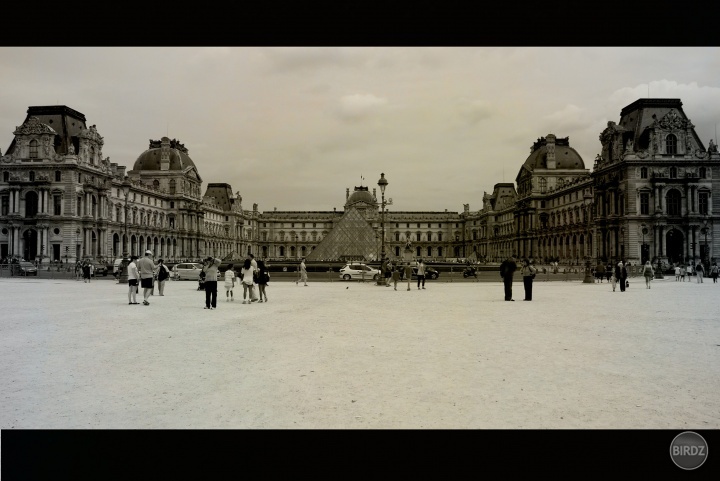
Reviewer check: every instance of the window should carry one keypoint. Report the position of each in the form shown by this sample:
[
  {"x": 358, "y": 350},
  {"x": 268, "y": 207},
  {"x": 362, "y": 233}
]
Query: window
[
  {"x": 643, "y": 173},
  {"x": 78, "y": 205},
  {"x": 397, "y": 237},
  {"x": 418, "y": 225},
  {"x": 172, "y": 186},
  {"x": 671, "y": 144},
  {"x": 542, "y": 204},
  {"x": 439, "y": 238},
  {"x": 645, "y": 203},
  {"x": 6, "y": 176},
  {"x": 703, "y": 202},
  {"x": 429, "y": 251},
  {"x": 92, "y": 155},
  {"x": 58, "y": 176},
  {"x": 32, "y": 176},
  {"x": 673, "y": 172},
  {"x": 57, "y": 204},
  {"x": 429, "y": 236},
  {"x": 5, "y": 205},
  {"x": 172, "y": 204},
  {"x": 703, "y": 173},
  {"x": 33, "y": 149},
  {"x": 673, "y": 202},
  {"x": 543, "y": 185},
  {"x": 417, "y": 236},
  {"x": 79, "y": 177}
]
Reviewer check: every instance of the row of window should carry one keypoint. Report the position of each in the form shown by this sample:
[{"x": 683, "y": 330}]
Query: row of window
[
  {"x": 673, "y": 203},
  {"x": 673, "y": 173}
]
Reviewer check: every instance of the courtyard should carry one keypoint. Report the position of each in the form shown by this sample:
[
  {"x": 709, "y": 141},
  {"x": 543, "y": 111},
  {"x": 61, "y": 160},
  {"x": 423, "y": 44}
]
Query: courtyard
[{"x": 353, "y": 355}]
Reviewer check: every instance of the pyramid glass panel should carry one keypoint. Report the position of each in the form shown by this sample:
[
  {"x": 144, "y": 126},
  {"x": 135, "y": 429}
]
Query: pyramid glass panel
[{"x": 353, "y": 238}]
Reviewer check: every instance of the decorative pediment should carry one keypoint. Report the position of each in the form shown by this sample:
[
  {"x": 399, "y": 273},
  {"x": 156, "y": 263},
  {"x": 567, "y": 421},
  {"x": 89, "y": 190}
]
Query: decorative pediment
[
  {"x": 672, "y": 121},
  {"x": 33, "y": 126}
]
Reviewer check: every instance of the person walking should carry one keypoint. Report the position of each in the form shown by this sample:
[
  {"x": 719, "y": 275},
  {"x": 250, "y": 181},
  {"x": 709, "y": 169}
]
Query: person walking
[
  {"x": 600, "y": 271},
  {"x": 608, "y": 270},
  {"x": 303, "y": 272},
  {"x": 396, "y": 275},
  {"x": 146, "y": 266},
  {"x": 614, "y": 277},
  {"x": 229, "y": 283},
  {"x": 133, "y": 277},
  {"x": 408, "y": 273},
  {"x": 387, "y": 271},
  {"x": 263, "y": 277},
  {"x": 163, "y": 274},
  {"x": 420, "y": 273},
  {"x": 622, "y": 275},
  {"x": 211, "y": 275},
  {"x": 700, "y": 272},
  {"x": 683, "y": 272},
  {"x": 714, "y": 271},
  {"x": 677, "y": 273},
  {"x": 648, "y": 273},
  {"x": 246, "y": 274},
  {"x": 507, "y": 270},
  {"x": 528, "y": 274},
  {"x": 92, "y": 271}
]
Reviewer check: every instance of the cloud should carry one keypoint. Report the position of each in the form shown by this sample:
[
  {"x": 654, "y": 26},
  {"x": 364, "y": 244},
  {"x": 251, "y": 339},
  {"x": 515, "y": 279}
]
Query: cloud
[{"x": 358, "y": 106}]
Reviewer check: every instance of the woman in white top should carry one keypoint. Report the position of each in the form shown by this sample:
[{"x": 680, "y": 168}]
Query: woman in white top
[
  {"x": 246, "y": 273},
  {"x": 133, "y": 276}
]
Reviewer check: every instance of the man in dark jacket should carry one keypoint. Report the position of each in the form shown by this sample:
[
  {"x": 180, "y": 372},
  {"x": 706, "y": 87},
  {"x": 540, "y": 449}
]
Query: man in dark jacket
[{"x": 507, "y": 269}]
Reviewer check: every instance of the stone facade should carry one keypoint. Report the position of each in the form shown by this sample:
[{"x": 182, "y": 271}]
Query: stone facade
[{"x": 648, "y": 197}]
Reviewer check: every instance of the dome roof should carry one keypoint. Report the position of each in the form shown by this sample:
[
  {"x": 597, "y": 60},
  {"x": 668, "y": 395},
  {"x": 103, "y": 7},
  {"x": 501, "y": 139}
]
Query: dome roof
[
  {"x": 361, "y": 194},
  {"x": 565, "y": 156},
  {"x": 177, "y": 153}
]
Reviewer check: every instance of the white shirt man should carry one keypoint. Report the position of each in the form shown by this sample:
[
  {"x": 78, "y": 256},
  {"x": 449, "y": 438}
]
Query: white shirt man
[{"x": 133, "y": 276}]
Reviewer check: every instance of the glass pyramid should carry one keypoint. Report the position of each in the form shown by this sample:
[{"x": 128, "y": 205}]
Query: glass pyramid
[{"x": 352, "y": 239}]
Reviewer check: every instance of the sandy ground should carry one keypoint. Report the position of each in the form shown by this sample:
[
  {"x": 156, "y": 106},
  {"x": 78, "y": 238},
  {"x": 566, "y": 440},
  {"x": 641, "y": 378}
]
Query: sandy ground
[{"x": 351, "y": 355}]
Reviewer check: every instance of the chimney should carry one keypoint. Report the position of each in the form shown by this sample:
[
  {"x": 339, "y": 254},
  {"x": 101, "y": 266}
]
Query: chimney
[{"x": 551, "y": 164}]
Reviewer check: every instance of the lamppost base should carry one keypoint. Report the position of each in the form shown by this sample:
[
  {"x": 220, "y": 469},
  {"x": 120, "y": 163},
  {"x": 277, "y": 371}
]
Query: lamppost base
[{"x": 124, "y": 270}]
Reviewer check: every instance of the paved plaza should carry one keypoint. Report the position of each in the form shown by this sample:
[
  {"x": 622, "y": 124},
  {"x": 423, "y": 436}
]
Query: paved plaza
[{"x": 352, "y": 355}]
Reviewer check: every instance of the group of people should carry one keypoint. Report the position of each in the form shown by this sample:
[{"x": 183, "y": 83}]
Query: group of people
[
  {"x": 398, "y": 272},
  {"x": 507, "y": 272},
  {"x": 143, "y": 273},
  {"x": 84, "y": 270},
  {"x": 250, "y": 274}
]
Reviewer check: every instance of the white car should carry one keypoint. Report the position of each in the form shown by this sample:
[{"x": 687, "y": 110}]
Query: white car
[
  {"x": 359, "y": 271},
  {"x": 187, "y": 271}
]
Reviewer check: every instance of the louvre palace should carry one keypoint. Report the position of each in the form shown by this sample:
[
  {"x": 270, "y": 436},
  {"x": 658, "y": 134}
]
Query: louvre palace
[{"x": 647, "y": 196}]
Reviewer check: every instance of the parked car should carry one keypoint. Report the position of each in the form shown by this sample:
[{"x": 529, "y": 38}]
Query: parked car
[
  {"x": 24, "y": 268},
  {"x": 430, "y": 273},
  {"x": 100, "y": 269},
  {"x": 187, "y": 271},
  {"x": 359, "y": 271}
]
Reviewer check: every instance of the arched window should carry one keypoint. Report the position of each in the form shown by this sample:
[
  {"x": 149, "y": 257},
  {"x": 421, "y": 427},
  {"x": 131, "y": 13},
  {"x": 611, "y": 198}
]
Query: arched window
[
  {"x": 397, "y": 237},
  {"x": 703, "y": 173},
  {"x": 440, "y": 240},
  {"x": 673, "y": 202},
  {"x": 671, "y": 144},
  {"x": 156, "y": 184},
  {"x": 429, "y": 236},
  {"x": 32, "y": 176},
  {"x": 58, "y": 176},
  {"x": 543, "y": 185},
  {"x": 417, "y": 237},
  {"x": 33, "y": 149},
  {"x": 172, "y": 186},
  {"x": 673, "y": 172},
  {"x": 92, "y": 155},
  {"x": 31, "y": 204},
  {"x": 643, "y": 173}
]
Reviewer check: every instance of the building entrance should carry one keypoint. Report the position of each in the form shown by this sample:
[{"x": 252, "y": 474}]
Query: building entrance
[
  {"x": 30, "y": 245},
  {"x": 674, "y": 246}
]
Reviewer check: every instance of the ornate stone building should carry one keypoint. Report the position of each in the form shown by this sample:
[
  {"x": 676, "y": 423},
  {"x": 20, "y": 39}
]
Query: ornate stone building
[{"x": 649, "y": 196}]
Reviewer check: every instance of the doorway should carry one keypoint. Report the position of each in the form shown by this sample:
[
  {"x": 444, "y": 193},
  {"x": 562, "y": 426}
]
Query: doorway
[
  {"x": 30, "y": 247},
  {"x": 674, "y": 246}
]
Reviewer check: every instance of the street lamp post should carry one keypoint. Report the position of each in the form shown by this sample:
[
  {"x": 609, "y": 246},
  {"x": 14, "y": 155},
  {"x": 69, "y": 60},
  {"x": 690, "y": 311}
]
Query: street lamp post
[
  {"x": 124, "y": 269},
  {"x": 382, "y": 183},
  {"x": 706, "y": 256}
]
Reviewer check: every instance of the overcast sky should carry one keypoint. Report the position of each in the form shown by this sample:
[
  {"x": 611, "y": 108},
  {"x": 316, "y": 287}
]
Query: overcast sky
[{"x": 292, "y": 127}]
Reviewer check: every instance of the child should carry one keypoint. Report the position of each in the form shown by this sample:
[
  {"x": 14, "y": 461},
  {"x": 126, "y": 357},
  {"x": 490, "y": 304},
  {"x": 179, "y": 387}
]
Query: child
[
  {"x": 683, "y": 271},
  {"x": 262, "y": 279},
  {"x": 677, "y": 273},
  {"x": 229, "y": 283},
  {"x": 396, "y": 275}
]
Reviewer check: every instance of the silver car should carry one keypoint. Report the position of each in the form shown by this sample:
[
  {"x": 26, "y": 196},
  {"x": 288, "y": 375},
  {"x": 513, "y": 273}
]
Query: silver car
[
  {"x": 187, "y": 271},
  {"x": 359, "y": 271}
]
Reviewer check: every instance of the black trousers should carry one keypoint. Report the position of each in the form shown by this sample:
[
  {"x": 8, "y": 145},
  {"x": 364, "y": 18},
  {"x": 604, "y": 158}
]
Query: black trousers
[
  {"x": 623, "y": 280},
  {"x": 421, "y": 279},
  {"x": 527, "y": 283},
  {"x": 210, "y": 293},
  {"x": 507, "y": 281}
]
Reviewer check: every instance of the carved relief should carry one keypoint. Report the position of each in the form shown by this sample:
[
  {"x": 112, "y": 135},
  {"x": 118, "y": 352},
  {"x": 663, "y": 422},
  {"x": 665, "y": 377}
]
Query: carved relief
[{"x": 33, "y": 126}]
